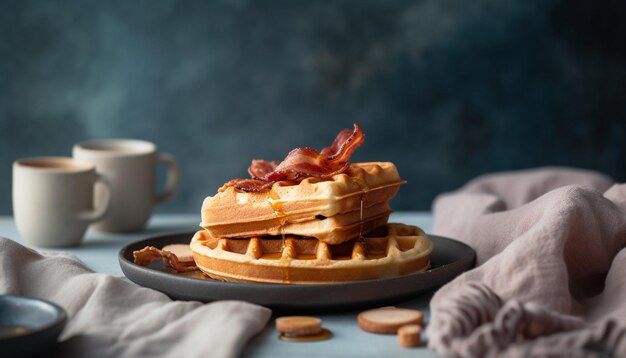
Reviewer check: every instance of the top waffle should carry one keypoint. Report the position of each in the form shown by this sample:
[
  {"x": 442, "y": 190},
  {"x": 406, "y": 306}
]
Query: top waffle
[{"x": 364, "y": 184}]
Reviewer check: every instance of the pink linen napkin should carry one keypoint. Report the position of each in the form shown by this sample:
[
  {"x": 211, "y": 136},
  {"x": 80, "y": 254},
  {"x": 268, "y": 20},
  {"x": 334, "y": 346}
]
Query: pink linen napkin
[
  {"x": 109, "y": 317},
  {"x": 551, "y": 279}
]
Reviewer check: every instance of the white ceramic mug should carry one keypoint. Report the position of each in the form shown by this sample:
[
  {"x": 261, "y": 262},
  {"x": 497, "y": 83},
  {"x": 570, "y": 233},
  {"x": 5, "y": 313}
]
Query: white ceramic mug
[
  {"x": 130, "y": 165},
  {"x": 53, "y": 200}
]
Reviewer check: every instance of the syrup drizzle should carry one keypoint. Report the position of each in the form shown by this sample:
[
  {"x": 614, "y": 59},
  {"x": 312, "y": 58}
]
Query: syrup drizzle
[
  {"x": 13, "y": 331},
  {"x": 285, "y": 268},
  {"x": 282, "y": 233},
  {"x": 324, "y": 334},
  {"x": 195, "y": 274},
  {"x": 361, "y": 238},
  {"x": 277, "y": 207},
  {"x": 364, "y": 191}
]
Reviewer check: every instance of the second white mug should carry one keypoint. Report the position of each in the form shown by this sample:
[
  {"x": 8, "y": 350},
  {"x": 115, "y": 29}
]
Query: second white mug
[{"x": 130, "y": 166}]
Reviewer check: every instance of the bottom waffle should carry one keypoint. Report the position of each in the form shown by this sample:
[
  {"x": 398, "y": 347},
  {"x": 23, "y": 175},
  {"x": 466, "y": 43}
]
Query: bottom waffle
[{"x": 389, "y": 251}]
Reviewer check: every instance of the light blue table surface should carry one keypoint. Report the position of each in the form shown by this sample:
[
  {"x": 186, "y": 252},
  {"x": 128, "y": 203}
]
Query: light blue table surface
[{"x": 99, "y": 251}]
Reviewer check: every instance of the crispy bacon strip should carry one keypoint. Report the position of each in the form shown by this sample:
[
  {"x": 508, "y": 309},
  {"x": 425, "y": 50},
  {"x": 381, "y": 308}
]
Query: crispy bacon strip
[
  {"x": 342, "y": 137},
  {"x": 260, "y": 168},
  {"x": 303, "y": 163},
  {"x": 256, "y": 185},
  {"x": 347, "y": 143},
  {"x": 149, "y": 254}
]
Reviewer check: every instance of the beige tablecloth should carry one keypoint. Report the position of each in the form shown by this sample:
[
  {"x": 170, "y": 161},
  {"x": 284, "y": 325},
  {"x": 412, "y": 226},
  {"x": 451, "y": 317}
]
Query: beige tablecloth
[
  {"x": 109, "y": 317},
  {"x": 551, "y": 279}
]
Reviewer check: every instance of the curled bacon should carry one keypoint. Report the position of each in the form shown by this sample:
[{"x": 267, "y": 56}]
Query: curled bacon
[
  {"x": 303, "y": 163},
  {"x": 260, "y": 168},
  {"x": 342, "y": 138}
]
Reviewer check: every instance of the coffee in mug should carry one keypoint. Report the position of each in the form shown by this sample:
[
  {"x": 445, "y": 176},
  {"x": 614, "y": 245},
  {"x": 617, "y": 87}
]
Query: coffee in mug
[
  {"x": 53, "y": 200},
  {"x": 130, "y": 165}
]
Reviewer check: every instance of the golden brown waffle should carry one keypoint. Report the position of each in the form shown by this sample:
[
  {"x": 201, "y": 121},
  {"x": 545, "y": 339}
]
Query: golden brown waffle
[
  {"x": 364, "y": 184},
  {"x": 391, "y": 250},
  {"x": 332, "y": 230}
]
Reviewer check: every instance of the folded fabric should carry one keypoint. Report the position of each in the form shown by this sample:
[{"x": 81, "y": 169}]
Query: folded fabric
[
  {"x": 109, "y": 317},
  {"x": 551, "y": 275}
]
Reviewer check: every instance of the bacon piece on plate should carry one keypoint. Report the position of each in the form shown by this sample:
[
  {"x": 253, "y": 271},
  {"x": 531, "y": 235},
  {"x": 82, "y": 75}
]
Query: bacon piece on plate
[
  {"x": 303, "y": 163},
  {"x": 148, "y": 254}
]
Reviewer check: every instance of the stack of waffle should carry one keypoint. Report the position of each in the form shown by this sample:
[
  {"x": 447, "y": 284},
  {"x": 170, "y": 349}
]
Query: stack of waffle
[{"x": 316, "y": 231}]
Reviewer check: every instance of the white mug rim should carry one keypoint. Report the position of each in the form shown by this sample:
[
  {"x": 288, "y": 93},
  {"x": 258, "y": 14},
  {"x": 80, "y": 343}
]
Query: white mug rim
[
  {"x": 115, "y": 147},
  {"x": 70, "y": 165}
]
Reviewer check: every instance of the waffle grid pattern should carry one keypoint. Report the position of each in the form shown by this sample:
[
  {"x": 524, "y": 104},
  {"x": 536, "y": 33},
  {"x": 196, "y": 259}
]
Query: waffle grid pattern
[{"x": 391, "y": 250}]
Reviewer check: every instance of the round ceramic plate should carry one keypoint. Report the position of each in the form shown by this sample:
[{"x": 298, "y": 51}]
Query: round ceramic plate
[{"x": 448, "y": 259}]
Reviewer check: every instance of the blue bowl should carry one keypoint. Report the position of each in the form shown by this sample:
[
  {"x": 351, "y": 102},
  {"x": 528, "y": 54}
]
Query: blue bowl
[{"x": 28, "y": 326}]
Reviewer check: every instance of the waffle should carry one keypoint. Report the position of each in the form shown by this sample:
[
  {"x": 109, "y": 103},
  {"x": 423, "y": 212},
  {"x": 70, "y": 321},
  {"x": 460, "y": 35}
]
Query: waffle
[
  {"x": 391, "y": 250},
  {"x": 364, "y": 184},
  {"x": 332, "y": 230}
]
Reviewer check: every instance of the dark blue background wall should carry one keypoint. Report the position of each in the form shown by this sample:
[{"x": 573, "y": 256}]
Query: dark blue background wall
[{"x": 446, "y": 89}]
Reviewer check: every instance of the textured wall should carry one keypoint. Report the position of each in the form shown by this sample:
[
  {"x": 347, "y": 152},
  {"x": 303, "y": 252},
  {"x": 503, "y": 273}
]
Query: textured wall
[{"x": 446, "y": 89}]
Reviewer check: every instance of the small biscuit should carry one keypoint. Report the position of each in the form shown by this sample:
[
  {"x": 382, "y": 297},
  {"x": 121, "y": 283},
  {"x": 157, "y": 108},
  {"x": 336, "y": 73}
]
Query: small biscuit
[
  {"x": 298, "y": 326},
  {"x": 409, "y": 335},
  {"x": 388, "y": 319}
]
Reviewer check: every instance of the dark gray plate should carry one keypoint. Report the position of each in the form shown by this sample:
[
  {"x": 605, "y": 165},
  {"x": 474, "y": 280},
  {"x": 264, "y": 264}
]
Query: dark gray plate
[
  {"x": 29, "y": 326},
  {"x": 448, "y": 260}
]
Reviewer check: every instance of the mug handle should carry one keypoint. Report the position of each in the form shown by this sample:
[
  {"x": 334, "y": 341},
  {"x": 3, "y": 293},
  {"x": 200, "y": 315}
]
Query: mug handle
[
  {"x": 98, "y": 213},
  {"x": 172, "y": 177}
]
